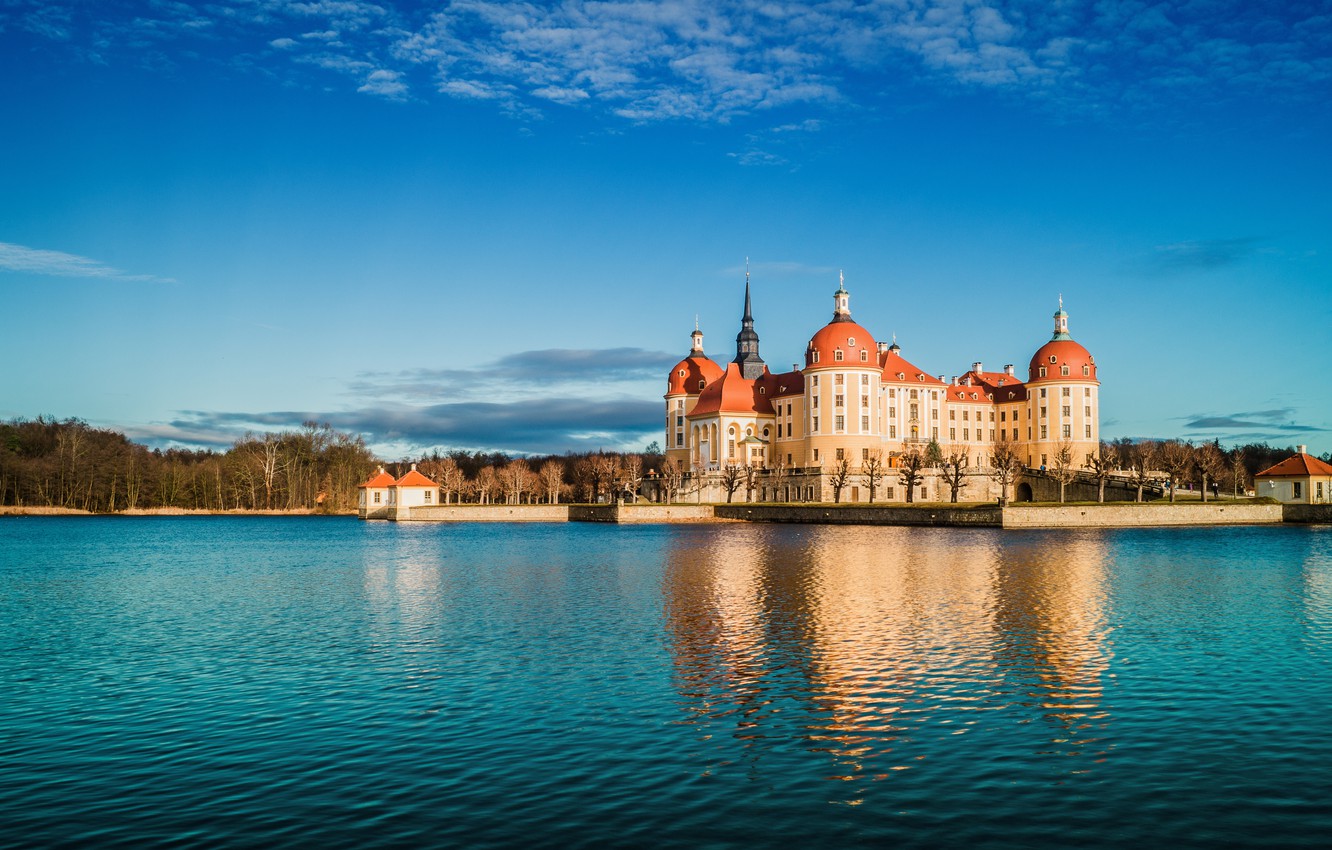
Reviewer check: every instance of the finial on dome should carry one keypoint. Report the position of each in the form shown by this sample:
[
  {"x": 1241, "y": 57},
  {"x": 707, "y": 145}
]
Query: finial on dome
[
  {"x": 841, "y": 300},
  {"x": 1061, "y": 321}
]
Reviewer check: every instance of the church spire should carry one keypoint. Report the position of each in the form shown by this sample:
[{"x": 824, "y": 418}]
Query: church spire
[{"x": 747, "y": 341}]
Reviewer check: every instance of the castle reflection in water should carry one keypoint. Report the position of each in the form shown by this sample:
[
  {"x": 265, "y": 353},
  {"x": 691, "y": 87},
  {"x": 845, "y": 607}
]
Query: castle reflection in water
[{"x": 870, "y": 646}]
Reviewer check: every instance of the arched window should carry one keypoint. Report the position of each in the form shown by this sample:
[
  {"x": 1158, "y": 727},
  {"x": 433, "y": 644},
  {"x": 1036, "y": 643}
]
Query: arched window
[{"x": 1063, "y": 370}]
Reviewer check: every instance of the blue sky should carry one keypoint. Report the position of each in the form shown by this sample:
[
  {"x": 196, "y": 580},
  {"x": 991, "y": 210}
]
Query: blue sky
[{"x": 491, "y": 225}]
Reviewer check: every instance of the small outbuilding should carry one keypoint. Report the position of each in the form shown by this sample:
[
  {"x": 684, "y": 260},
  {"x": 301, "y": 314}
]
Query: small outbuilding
[
  {"x": 375, "y": 496},
  {"x": 412, "y": 490},
  {"x": 1300, "y": 479}
]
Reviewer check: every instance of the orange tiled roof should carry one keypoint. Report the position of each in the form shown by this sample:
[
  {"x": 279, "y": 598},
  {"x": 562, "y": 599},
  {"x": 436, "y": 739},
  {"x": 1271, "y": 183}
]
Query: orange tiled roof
[
  {"x": 850, "y": 337},
  {"x": 381, "y": 479},
  {"x": 731, "y": 393},
  {"x": 895, "y": 364},
  {"x": 415, "y": 479},
  {"x": 1299, "y": 465},
  {"x": 695, "y": 369},
  {"x": 1065, "y": 352}
]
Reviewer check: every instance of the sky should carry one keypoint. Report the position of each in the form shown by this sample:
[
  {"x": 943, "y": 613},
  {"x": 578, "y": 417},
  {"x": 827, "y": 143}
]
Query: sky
[{"x": 492, "y": 226}]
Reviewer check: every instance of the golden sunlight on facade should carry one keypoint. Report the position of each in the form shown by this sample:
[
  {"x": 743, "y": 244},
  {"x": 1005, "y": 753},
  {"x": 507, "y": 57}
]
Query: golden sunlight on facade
[{"x": 859, "y": 402}]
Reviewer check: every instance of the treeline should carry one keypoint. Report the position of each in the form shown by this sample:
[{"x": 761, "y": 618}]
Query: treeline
[
  {"x": 45, "y": 462},
  {"x": 1184, "y": 463},
  {"x": 495, "y": 477},
  {"x": 70, "y": 464}
]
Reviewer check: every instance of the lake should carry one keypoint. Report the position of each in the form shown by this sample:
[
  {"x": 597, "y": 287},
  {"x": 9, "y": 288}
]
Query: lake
[{"x": 227, "y": 681}]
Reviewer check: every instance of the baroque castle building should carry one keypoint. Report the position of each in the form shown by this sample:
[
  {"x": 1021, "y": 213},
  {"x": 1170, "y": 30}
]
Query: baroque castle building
[{"x": 856, "y": 396}]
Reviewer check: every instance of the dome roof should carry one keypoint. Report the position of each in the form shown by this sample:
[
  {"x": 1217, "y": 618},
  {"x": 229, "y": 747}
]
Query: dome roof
[
  {"x": 686, "y": 374},
  {"x": 1058, "y": 353},
  {"x": 733, "y": 393},
  {"x": 855, "y": 343}
]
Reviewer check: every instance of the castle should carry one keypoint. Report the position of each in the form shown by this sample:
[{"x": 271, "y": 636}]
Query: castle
[{"x": 857, "y": 397}]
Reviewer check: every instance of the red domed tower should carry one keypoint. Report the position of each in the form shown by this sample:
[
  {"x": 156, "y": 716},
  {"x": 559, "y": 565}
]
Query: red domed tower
[
  {"x": 687, "y": 380},
  {"x": 841, "y": 388},
  {"x": 1063, "y": 407}
]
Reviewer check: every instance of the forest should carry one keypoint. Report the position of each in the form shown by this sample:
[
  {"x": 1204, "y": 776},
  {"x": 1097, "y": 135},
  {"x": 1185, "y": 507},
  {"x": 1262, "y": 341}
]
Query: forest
[
  {"x": 45, "y": 462},
  {"x": 70, "y": 464}
]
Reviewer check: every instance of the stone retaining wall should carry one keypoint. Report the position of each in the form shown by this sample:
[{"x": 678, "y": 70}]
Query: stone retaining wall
[
  {"x": 984, "y": 516},
  {"x": 483, "y": 513},
  {"x": 1319, "y": 514},
  {"x": 1135, "y": 515}
]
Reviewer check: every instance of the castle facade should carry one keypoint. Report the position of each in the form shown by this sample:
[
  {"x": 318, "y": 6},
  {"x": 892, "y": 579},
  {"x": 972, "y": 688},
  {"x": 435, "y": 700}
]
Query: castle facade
[{"x": 858, "y": 397}]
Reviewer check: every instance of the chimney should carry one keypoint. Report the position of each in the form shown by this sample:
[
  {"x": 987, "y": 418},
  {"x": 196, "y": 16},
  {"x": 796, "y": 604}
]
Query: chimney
[
  {"x": 943, "y": 380},
  {"x": 795, "y": 367},
  {"x": 1008, "y": 368},
  {"x": 976, "y": 367},
  {"x": 883, "y": 348},
  {"x": 967, "y": 380},
  {"x": 1304, "y": 450}
]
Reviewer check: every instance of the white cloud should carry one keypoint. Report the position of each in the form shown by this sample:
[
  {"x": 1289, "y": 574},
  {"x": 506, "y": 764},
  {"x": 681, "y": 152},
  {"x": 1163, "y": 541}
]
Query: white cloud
[
  {"x": 386, "y": 84},
  {"x": 18, "y": 258}
]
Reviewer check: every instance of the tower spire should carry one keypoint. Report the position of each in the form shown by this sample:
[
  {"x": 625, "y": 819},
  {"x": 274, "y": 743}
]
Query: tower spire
[
  {"x": 1061, "y": 321},
  {"x": 841, "y": 300},
  {"x": 747, "y": 341}
]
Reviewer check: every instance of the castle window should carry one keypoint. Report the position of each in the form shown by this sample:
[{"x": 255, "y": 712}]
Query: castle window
[
  {"x": 952, "y": 414},
  {"x": 1086, "y": 371},
  {"x": 864, "y": 424},
  {"x": 679, "y": 439},
  {"x": 837, "y": 355},
  {"x": 864, "y": 380},
  {"x": 1043, "y": 432},
  {"x": 1042, "y": 412},
  {"x": 1052, "y": 359},
  {"x": 815, "y": 358},
  {"x": 892, "y": 432},
  {"x": 730, "y": 448},
  {"x": 1042, "y": 392},
  {"x": 427, "y": 497},
  {"x": 816, "y": 427},
  {"x": 839, "y": 379},
  {"x": 679, "y": 422},
  {"x": 731, "y": 431},
  {"x": 1068, "y": 410},
  {"x": 864, "y": 454},
  {"x": 1015, "y": 436},
  {"x": 1086, "y": 411},
  {"x": 892, "y": 393},
  {"x": 377, "y": 494},
  {"x": 952, "y": 434},
  {"x": 966, "y": 433},
  {"x": 1067, "y": 392},
  {"x": 1063, "y": 370},
  {"x": 839, "y": 424},
  {"x": 1068, "y": 431},
  {"x": 1089, "y": 432},
  {"x": 864, "y": 355},
  {"x": 763, "y": 390},
  {"x": 839, "y": 401},
  {"x": 702, "y": 384},
  {"x": 901, "y": 376},
  {"x": 850, "y": 342},
  {"x": 816, "y": 455},
  {"x": 1042, "y": 372},
  {"x": 841, "y": 454},
  {"x": 682, "y": 373},
  {"x": 1086, "y": 391}
]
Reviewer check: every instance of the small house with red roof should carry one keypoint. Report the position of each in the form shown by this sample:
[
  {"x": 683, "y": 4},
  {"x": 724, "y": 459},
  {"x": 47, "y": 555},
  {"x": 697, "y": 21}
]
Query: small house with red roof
[
  {"x": 1300, "y": 479},
  {"x": 412, "y": 490},
  {"x": 374, "y": 497}
]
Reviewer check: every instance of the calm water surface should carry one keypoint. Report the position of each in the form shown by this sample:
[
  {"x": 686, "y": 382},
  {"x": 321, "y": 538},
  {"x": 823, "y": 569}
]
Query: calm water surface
[{"x": 284, "y": 682}]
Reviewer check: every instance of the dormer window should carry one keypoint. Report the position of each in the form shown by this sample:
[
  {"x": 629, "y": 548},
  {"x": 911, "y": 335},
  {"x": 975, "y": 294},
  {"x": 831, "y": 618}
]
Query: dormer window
[
  {"x": 901, "y": 376},
  {"x": 837, "y": 355},
  {"x": 1063, "y": 370},
  {"x": 682, "y": 373},
  {"x": 1086, "y": 371},
  {"x": 1042, "y": 372},
  {"x": 1053, "y": 359},
  {"x": 850, "y": 342},
  {"x": 702, "y": 383},
  {"x": 864, "y": 355},
  {"x": 815, "y": 357},
  {"x": 763, "y": 390}
]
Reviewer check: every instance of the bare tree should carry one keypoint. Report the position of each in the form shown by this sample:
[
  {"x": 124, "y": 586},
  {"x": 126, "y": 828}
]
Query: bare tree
[
  {"x": 1176, "y": 458},
  {"x": 1211, "y": 464},
  {"x": 514, "y": 478},
  {"x": 1105, "y": 461},
  {"x": 631, "y": 474},
  {"x": 450, "y": 479},
  {"x": 1238, "y": 472},
  {"x": 603, "y": 472},
  {"x": 731, "y": 478},
  {"x": 486, "y": 483},
  {"x": 781, "y": 474},
  {"x": 1141, "y": 463},
  {"x": 552, "y": 476},
  {"x": 910, "y": 464},
  {"x": 1061, "y": 466},
  {"x": 871, "y": 468},
  {"x": 953, "y": 469},
  {"x": 839, "y": 476},
  {"x": 1004, "y": 465}
]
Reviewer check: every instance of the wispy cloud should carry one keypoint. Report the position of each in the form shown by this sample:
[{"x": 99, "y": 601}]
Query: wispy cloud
[
  {"x": 1254, "y": 425},
  {"x": 18, "y": 258},
  {"x": 556, "y": 400},
  {"x": 714, "y": 60},
  {"x": 1201, "y": 254}
]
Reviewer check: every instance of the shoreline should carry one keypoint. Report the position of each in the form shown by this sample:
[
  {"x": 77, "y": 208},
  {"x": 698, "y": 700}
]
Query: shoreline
[{"x": 37, "y": 510}]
